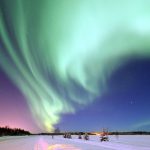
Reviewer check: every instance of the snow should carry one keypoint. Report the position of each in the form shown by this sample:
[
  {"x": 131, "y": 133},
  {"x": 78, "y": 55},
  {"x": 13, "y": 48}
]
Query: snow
[{"x": 124, "y": 142}]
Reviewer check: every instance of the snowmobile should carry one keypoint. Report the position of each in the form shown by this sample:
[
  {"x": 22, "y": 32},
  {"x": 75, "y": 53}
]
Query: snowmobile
[
  {"x": 104, "y": 135},
  {"x": 104, "y": 138}
]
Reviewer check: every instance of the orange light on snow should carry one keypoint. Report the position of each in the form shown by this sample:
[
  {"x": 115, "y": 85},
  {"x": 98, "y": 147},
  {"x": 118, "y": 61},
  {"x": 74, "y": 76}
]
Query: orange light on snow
[
  {"x": 62, "y": 147},
  {"x": 43, "y": 145}
]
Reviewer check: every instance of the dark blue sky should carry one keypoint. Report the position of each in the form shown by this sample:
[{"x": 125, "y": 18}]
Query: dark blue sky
[{"x": 124, "y": 104}]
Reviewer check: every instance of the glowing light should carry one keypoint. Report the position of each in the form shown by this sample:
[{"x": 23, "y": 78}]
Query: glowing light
[
  {"x": 62, "y": 147},
  {"x": 97, "y": 133},
  {"x": 59, "y": 53}
]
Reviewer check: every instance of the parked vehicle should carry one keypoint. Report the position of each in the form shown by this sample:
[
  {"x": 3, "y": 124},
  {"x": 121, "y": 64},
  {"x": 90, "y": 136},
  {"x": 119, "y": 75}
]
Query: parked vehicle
[{"x": 104, "y": 135}]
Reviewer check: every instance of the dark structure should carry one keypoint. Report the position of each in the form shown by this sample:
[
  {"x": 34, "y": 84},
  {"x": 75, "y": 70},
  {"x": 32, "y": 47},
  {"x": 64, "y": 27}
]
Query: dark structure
[{"x": 104, "y": 135}]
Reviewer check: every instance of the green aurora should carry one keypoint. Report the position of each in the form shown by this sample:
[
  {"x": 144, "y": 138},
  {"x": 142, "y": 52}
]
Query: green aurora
[{"x": 60, "y": 52}]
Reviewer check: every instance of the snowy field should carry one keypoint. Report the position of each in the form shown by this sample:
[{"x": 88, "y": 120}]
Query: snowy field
[{"x": 132, "y": 142}]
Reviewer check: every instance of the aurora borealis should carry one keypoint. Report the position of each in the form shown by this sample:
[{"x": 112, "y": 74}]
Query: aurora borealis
[{"x": 60, "y": 53}]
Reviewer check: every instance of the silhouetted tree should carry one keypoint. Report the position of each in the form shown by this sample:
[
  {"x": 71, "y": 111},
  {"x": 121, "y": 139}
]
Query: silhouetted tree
[{"x": 16, "y": 131}]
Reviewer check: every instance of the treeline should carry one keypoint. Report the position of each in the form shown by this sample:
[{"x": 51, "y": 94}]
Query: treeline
[
  {"x": 130, "y": 133},
  {"x": 109, "y": 133},
  {"x": 4, "y": 131},
  {"x": 62, "y": 133}
]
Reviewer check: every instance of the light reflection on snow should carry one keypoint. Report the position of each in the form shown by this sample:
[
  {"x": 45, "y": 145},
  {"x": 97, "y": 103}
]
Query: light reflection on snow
[
  {"x": 62, "y": 147},
  {"x": 42, "y": 145}
]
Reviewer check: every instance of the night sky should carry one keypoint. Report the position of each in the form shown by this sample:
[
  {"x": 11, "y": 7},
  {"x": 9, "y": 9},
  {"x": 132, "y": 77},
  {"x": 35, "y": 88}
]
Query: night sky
[
  {"x": 123, "y": 106},
  {"x": 77, "y": 65}
]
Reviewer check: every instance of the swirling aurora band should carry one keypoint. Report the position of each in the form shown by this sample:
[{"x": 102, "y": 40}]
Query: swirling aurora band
[{"x": 59, "y": 52}]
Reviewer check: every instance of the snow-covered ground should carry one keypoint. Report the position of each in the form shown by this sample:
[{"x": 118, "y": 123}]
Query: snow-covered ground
[{"x": 126, "y": 142}]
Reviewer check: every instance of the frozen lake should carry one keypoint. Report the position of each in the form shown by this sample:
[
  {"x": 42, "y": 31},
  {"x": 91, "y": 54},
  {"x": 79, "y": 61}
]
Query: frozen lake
[{"x": 125, "y": 142}]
